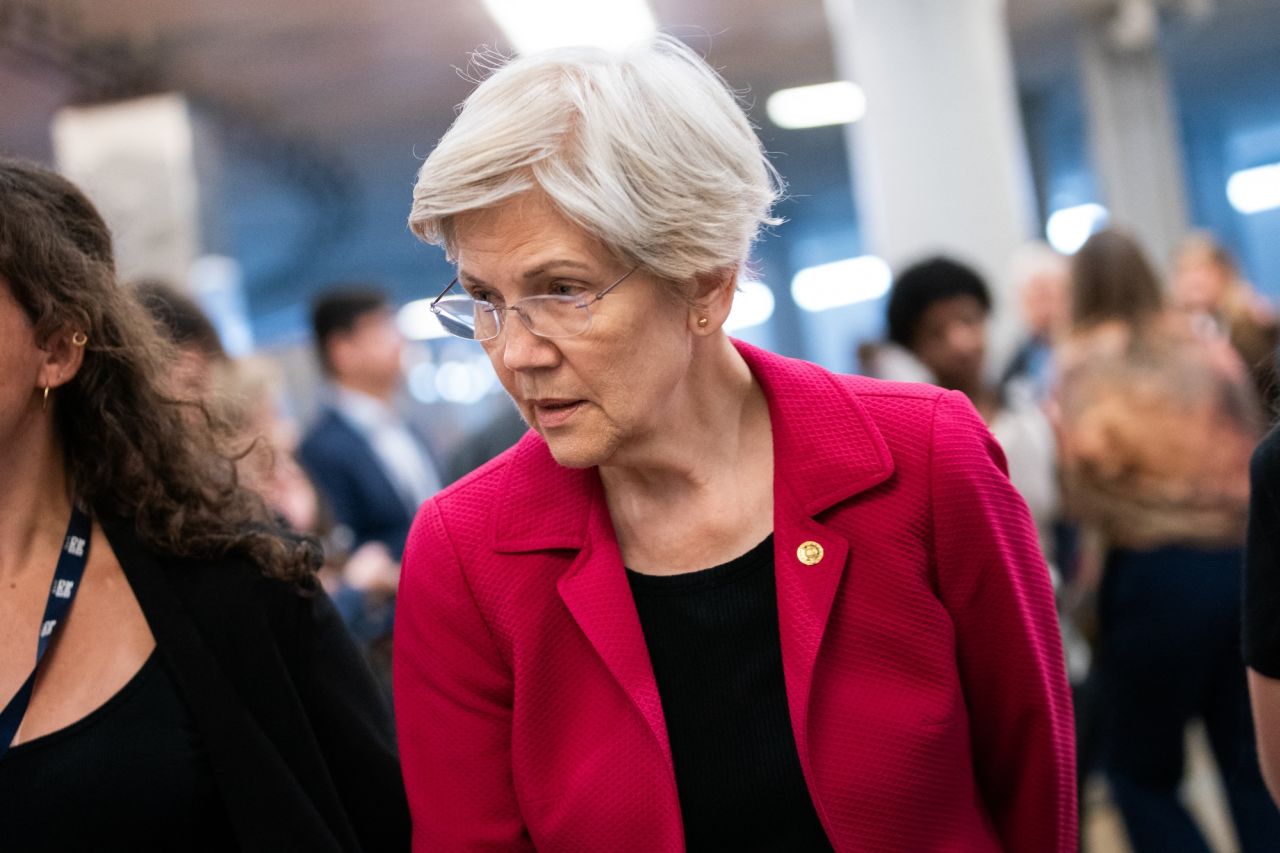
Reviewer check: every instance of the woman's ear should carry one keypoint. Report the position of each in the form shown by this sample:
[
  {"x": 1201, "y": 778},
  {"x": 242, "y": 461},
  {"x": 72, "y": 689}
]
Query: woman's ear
[
  {"x": 710, "y": 307},
  {"x": 63, "y": 355}
]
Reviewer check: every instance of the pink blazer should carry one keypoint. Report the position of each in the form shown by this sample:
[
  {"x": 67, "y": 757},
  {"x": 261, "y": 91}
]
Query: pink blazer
[{"x": 921, "y": 654}]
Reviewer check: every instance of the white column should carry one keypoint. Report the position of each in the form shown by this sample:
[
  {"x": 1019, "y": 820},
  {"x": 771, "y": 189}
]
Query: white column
[
  {"x": 135, "y": 160},
  {"x": 939, "y": 161},
  {"x": 1133, "y": 136}
]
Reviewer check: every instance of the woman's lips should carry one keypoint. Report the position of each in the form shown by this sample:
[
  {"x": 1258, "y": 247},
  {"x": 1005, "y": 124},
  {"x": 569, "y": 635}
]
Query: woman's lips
[{"x": 554, "y": 413}]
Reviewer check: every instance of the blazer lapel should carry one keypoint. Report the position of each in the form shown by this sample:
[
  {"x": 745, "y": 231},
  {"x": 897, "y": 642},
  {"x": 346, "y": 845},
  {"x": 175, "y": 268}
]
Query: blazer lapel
[
  {"x": 596, "y": 591},
  {"x": 574, "y": 516},
  {"x": 826, "y": 451}
]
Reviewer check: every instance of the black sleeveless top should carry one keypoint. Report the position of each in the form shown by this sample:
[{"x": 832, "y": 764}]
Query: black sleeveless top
[{"x": 133, "y": 771}]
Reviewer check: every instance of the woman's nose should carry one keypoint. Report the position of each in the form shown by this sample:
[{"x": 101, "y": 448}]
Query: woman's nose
[{"x": 521, "y": 348}]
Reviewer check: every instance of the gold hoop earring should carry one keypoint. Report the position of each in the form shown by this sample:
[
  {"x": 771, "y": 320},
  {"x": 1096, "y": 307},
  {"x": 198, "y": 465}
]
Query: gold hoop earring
[
  {"x": 702, "y": 322},
  {"x": 44, "y": 406},
  {"x": 79, "y": 339}
]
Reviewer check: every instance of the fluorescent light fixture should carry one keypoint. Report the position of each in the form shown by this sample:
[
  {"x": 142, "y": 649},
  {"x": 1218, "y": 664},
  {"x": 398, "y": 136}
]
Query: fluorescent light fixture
[
  {"x": 1068, "y": 228},
  {"x": 534, "y": 25},
  {"x": 417, "y": 322},
  {"x": 1255, "y": 190},
  {"x": 840, "y": 283},
  {"x": 840, "y": 102},
  {"x": 752, "y": 305}
]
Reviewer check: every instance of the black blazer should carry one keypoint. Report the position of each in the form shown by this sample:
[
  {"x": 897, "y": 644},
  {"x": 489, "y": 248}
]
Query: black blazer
[
  {"x": 342, "y": 464},
  {"x": 300, "y": 740}
]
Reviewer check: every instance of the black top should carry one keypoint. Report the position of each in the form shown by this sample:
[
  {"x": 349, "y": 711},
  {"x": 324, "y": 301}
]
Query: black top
[
  {"x": 133, "y": 770},
  {"x": 1262, "y": 561},
  {"x": 716, "y": 651},
  {"x": 299, "y": 740}
]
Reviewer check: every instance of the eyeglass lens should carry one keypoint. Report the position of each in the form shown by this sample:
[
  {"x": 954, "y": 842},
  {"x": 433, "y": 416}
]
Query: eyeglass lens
[{"x": 546, "y": 316}]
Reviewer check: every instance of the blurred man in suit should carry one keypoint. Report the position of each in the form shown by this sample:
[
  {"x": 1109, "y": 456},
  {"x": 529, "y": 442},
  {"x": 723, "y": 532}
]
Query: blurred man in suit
[
  {"x": 372, "y": 467},
  {"x": 369, "y": 464}
]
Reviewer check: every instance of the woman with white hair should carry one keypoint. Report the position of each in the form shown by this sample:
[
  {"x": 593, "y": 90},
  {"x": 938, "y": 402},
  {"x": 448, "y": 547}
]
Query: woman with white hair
[{"x": 716, "y": 599}]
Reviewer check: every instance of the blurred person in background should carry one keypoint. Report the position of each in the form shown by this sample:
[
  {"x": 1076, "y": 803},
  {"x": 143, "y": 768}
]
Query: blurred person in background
[
  {"x": 717, "y": 599},
  {"x": 372, "y": 467},
  {"x": 173, "y": 678},
  {"x": 1042, "y": 279},
  {"x": 1207, "y": 284},
  {"x": 182, "y": 321},
  {"x": 938, "y": 311},
  {"x": 253, "y": 389},
  {"x": 884, "y": 359},
  {"x": 362, "y": 581},
  {"x": 1157, "y": 422},
  {"x": 250, "y": 393}
]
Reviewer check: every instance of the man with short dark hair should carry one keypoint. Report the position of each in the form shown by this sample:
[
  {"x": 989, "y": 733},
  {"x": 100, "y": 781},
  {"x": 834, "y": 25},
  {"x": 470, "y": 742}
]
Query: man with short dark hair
[{"x": 374, "y": 470}]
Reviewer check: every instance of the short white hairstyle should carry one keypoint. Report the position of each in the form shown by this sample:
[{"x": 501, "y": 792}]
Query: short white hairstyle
[{"x": 648, "y": 151}]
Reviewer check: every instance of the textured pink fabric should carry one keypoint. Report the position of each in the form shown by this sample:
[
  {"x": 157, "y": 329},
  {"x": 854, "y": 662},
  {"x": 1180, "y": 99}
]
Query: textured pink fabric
[{"x": 921, "y": 655}]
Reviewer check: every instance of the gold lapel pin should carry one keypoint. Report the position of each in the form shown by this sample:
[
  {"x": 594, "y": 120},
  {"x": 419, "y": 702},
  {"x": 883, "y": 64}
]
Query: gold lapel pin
[{"x": 809, "y": 553}]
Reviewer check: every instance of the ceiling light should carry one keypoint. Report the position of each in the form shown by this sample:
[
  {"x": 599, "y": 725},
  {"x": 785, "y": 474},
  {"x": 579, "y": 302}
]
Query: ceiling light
[
  {"x": 752, "y": 305},
  {"x": 840, "y": 102},
  {"x": 534, "y": 26},
  {"x": 1068, "y": 228},
  {"x": 1255, "y": 190},
  {"x": 840, "y": 283}
]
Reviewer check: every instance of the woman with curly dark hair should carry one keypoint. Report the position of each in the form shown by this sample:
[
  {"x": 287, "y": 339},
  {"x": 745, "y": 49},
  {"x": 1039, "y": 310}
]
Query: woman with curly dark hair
[{"x": 182, "y": 683}]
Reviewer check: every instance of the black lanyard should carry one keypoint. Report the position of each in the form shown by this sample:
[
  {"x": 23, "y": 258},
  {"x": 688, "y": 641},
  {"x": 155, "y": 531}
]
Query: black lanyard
[{"x": 66, "y": 581}]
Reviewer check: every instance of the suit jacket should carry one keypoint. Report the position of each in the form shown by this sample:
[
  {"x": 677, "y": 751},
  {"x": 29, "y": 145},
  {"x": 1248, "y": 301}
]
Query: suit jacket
[
  {"x": 342, "y": 464},
  {"x": 921, "y": 654},
  {"x": 299, "y": 739}
]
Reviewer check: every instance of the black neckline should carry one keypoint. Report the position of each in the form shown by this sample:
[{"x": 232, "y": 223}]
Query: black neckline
[
  {"x": 132, "y": 686},
  {"x": 703, "y": 579}
]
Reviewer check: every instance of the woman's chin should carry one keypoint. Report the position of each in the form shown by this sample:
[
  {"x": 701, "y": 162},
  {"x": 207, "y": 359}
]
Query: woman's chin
[
  {"x": 574, "y": 454},
  {"x": 579, "y": 448}
]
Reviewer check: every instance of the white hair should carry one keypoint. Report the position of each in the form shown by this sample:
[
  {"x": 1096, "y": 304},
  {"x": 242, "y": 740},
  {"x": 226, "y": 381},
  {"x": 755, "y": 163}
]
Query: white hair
[{"x": 648, "y": 151}]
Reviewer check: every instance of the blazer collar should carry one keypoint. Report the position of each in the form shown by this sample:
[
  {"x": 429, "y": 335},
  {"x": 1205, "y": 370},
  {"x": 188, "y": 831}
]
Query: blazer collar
[{"x": 826, "y": 449}]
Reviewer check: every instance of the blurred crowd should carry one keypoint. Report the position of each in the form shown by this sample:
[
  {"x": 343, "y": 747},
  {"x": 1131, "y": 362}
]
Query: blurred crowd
[
  {"x": 819, "y": 595},
  {"x": 1128, "y": 414}
]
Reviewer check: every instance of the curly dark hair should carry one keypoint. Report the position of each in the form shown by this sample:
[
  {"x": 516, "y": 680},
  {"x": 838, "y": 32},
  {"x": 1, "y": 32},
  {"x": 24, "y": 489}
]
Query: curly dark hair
[
  {"x": 925, "y": 282},
  {"x": 133, "y": 451}
]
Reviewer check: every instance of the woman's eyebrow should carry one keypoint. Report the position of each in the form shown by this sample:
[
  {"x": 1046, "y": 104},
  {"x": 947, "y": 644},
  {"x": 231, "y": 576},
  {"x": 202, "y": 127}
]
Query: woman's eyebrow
[{"x": 542, "y": 268}]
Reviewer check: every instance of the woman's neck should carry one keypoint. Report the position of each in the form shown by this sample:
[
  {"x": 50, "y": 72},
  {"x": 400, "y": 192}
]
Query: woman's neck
[
  {"x": 707, "y": 428},
  {"x": 700, "y": 491},
  {"x": 34, "y": 504}
]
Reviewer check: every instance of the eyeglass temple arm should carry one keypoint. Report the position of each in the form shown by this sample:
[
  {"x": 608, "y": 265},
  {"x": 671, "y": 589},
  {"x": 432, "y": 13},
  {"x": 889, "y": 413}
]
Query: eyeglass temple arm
[
  {"x": 447, "y": 288},
  {"x": 602, "y": 294}
]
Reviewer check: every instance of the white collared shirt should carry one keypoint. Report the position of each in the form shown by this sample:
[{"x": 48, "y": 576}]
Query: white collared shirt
[{"x": 403, "y": 458}]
